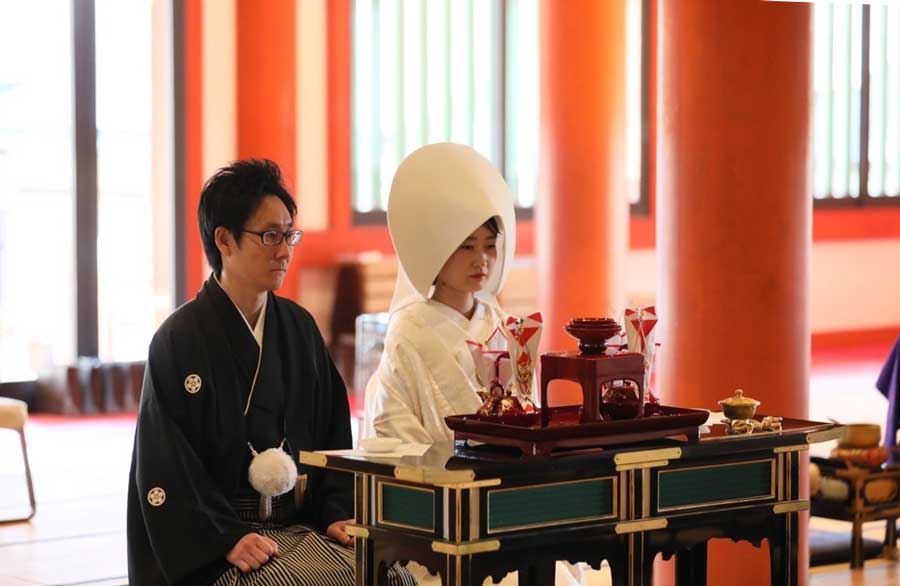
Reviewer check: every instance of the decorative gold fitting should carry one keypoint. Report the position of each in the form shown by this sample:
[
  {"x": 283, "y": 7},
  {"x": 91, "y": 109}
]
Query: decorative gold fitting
[
  {"x": 642, "y": 525},
  {"x": 356, "y": 531},
  {"x": 468, "y": 548},
  {"x": 797, "y": 448},
  {"x": 300, "y": 490},
  {"x": 314, "y": 459},
  {"x": 470, "y": 485},
  {"x": 642, "y": 465},
  {"x": 439, "y": 477},
  {"x": 825, "y": 435},
  {"x": 626, "y": 458},
  {"x": 790, "y": 507}
]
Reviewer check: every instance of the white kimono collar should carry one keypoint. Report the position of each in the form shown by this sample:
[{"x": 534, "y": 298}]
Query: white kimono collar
[
  {"x": 479, "y": 328},
  {"x": 444, "y": 351}
]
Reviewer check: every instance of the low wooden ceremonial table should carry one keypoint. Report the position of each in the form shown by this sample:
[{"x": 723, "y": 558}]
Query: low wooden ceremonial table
[
  {"x": 471, "y": 512},
  {"x": 859, "y": 507}
]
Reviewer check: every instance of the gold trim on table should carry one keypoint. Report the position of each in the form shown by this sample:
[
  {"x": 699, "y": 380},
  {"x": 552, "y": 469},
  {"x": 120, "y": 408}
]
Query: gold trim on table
[
  {"x": 356, "y": 531},
  {"x": 436, "y": 478},
  {"x": 458, "y": 508},
  {"x": 825, "y": 435},
  {"x": 643, "y": 465},
  {"x": 790, "y": 507},
  {"x": 780, "y": 475},
  {"x": 314, "y": 459},
  {"x": 470, "y": 485},
  {"x": 475, "y": 513},
  {"x": 646, "y": 456},
  {"x": 645, "y": 493},
  {"x": 641, "y": 525},
  {"x": 796, "y": 448},
  {"x": 467, "y": 548}
]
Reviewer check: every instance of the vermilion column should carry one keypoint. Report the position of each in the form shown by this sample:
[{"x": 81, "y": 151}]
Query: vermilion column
[
  {"x": 192, "y": 82},
  {"x": 266, "y": 94},
  {"x": 581, "y": 215},
  {"x": 734, "y": 218}
]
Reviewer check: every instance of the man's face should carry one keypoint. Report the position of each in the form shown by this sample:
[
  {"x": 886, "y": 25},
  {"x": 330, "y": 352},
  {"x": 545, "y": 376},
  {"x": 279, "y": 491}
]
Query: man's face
[{"x": 255, "y": 265}]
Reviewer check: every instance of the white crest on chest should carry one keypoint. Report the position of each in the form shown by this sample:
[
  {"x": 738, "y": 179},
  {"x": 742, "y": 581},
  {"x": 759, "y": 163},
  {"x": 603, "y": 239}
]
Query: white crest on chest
[
  {"x": 156, "y": 497},
  {"x": 192, "y": 383}
]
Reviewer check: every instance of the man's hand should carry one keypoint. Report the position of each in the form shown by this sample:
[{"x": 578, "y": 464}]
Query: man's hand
[
  {"x": 251, "y": 552},
  {"x": 336, "y": 532}
]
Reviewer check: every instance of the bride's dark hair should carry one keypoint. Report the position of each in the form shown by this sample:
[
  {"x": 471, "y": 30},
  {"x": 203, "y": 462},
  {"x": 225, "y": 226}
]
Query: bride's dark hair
[{"x": 493, "y": 225}]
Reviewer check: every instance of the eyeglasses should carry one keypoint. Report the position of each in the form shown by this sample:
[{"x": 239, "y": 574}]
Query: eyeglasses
[{"x": 275, "y": 237}]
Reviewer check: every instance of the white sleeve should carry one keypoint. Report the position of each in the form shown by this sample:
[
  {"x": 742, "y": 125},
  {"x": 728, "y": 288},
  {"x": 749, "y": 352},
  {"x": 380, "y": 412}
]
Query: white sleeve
[{"x": 393, "y": 406}]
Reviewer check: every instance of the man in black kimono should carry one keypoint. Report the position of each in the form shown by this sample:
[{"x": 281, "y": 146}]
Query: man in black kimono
[{"x": 232, "y": 373}]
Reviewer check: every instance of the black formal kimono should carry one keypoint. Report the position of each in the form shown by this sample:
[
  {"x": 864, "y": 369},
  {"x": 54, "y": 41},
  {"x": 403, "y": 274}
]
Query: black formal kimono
[{"x": 189, "y": 493}]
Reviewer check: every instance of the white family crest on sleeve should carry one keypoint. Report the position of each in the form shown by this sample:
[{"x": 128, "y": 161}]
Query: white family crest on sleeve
[
  {"x": 192, "y": 383},
  {"x": 156, "y": 497}
]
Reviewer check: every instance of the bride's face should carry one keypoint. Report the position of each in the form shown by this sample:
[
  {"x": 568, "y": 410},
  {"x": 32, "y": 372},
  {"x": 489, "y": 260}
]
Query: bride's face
[{"x": 470, "y": 265}]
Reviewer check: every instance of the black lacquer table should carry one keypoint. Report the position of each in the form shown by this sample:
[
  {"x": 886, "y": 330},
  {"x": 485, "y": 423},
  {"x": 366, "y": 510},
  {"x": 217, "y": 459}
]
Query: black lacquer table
[{"x": 471, "y": 512}]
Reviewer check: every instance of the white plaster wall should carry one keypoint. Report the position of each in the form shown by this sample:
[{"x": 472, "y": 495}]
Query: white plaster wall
[
  {"x": 219, "y": 84},
  {"x": 162, "y": 180},
  {"x": 312, "y": 113},
  {"x": 855, "y": 285}
]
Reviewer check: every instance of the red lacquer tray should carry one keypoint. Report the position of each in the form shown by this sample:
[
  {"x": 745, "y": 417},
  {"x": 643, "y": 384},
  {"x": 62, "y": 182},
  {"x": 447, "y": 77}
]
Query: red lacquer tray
[{"x": 565, "y": 429}]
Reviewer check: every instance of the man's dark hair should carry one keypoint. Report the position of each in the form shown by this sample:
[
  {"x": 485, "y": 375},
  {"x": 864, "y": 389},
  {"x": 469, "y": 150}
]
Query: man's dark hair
[{"x": 232, "y": 195}]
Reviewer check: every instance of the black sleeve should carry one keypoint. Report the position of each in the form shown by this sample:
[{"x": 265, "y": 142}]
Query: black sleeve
[
  {"x": 180, "y": 525},
  {"x": 337, "y": 487},
  {"x": 335, "y": 492}
]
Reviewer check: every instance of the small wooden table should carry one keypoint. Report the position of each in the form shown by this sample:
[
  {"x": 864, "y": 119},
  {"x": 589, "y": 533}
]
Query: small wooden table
[
  {"x": 590, "y": 372},
  {"x": 468, "y": 513},
  {"x": 858, "y": 508}
]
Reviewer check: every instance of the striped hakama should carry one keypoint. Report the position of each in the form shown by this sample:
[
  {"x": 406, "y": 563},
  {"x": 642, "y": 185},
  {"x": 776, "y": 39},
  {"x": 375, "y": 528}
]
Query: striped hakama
[{"x": 307, "y": 558}]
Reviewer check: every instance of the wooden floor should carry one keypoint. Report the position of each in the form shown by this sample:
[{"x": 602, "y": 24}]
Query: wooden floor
[
  {"x": 80, "y": 468},
  {"x": 875, "y": 573}
]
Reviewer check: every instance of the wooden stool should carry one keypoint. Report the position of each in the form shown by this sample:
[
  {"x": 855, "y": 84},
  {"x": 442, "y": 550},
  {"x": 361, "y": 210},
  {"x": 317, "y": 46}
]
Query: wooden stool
[{"x": 13, "y": 414}]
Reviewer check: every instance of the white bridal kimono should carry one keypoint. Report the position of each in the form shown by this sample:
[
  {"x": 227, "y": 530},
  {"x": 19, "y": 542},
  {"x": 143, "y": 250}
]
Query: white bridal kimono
[
  {"x": 427, "y": 371},
  {"x": 440, "y": 194}
]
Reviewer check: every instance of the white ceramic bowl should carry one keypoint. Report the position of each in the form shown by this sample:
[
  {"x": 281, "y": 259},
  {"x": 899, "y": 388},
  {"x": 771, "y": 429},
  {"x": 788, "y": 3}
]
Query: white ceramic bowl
[{"x": 380, "y": 444}]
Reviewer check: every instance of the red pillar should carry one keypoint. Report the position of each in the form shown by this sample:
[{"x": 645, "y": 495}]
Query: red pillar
[
  {"x": 734, "y": 218},
  {"x": 581, "y": 215},
  {"x": 194, "y": 269},
  {"x": 266, "y": 95}
]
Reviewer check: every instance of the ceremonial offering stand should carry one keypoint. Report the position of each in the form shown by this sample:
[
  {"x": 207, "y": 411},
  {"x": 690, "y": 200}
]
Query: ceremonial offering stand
[
  {"x": 613, "y": 410},
  {"x": 593, "y": 373},
  {"x": 467, "y": 513}
]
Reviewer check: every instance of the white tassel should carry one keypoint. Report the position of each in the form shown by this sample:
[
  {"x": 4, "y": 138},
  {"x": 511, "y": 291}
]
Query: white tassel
[{"x": 272, "y": 473}]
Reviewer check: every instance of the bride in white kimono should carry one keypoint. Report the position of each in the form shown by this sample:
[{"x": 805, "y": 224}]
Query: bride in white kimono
[{"x": 452, "y": 222}]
